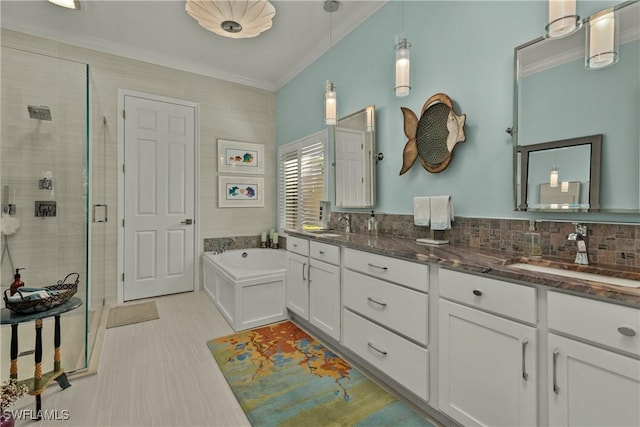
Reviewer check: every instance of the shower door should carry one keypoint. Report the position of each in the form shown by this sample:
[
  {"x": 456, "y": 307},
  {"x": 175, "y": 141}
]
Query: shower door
[{"x": 44, "y": 182}]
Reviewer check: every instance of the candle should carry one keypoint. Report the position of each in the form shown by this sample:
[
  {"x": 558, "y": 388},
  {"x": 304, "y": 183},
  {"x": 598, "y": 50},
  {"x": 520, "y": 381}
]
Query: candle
[
  {"x": 271, "y": 233},
  {"x": 263, "y": 237},
  {"x": 275, "y": 238}
]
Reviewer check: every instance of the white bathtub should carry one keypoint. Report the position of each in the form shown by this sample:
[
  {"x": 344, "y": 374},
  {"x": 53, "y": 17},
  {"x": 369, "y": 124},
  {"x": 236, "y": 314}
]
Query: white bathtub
[{"x": 247, "y": 285}]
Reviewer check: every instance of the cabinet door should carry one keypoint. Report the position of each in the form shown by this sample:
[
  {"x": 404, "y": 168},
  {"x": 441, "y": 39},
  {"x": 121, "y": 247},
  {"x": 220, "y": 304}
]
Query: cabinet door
[
  {"x": 298, "y": 284},
  {"x": 324, "y": 297},
  {"x": 487, "y": 368},
  {"x": 589, "y": 386}
]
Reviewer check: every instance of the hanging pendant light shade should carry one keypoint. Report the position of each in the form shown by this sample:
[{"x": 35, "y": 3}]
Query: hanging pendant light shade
[
  {"x": 403, "y": 67},
  {"x": 562, "y": 18},
  {"x": 602, "y": 40},
  {"x": 236, "y": 19},
  {"x": 553, "y": 178},
  {"x": 330, "y": 102}
]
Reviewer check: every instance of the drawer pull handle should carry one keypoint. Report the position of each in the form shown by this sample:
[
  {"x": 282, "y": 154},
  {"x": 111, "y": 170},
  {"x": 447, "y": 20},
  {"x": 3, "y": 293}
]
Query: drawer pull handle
[
  {"x": 477, "y": 292},
  {"x": 556, "y": 389},
  {"x": 303, "y": 267},
  {"x": 627, "y": 331},
  {"x": 378, "y": 267},
  {"x": 373, "y": 347},
  {"x": 381, "y": 304},
  {"x": 321, "y": 252},
  {"x": 525, "y": 375}
]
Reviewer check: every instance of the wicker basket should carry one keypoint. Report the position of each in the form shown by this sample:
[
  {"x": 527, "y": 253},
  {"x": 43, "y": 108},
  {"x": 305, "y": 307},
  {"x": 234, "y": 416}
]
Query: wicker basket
[{"x": 66, "y": 289}]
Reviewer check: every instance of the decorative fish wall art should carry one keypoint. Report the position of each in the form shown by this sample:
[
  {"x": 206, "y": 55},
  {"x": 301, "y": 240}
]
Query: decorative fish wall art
[{"x": 434, "y": 136}]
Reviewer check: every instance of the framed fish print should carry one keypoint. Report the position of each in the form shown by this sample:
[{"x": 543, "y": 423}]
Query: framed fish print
[
  {"x": 240, "y": 157},
  {"x": 240, "y": 192}
]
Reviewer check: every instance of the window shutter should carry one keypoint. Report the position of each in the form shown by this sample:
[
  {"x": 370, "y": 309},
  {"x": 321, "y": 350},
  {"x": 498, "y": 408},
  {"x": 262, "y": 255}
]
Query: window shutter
[{"x": 302, "y": 177}]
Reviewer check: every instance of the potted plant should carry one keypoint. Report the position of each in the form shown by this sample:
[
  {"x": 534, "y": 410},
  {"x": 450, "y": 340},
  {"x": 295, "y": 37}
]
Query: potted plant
[{"x": 11, "y": 392}]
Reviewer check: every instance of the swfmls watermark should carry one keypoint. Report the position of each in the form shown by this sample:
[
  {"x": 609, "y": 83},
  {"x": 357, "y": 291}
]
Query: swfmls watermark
[{"x": 43, "y": 414}]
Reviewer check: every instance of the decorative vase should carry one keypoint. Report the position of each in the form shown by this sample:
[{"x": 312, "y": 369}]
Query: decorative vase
[{"x": 6, "y": 420}]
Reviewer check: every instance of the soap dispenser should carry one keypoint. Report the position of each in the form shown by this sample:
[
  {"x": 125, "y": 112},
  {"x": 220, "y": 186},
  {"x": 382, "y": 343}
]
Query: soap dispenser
[
  {"x": 372, "y": 224},
  {"x": 17, "y": 282},
  {"x": 532, "y": 245}
]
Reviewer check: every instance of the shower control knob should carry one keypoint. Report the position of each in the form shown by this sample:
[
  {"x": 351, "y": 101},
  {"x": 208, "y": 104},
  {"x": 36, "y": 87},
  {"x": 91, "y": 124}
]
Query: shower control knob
[{"x": 187, "y": 222}]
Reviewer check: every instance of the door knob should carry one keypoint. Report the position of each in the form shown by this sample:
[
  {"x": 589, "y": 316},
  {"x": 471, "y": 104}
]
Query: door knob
[{"x": 187, "y": 222}]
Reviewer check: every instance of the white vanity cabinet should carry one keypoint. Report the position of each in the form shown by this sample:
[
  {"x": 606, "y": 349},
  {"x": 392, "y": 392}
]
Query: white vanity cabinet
[
  {"x": 313, "y": 283},
  {"x": 593, "y": 366},
  {"x": 298, "y": 276},
  {"x": 487, "y": 350},
  {"x": 324, "y": 288},
  {"x": 385, "y": 316}
]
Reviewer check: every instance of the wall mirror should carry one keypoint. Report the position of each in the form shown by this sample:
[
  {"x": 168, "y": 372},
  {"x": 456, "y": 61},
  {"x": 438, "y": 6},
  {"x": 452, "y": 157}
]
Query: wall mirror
[
  {"x": 354, "y": 159},
  {"x": 557, "y": 99},
  {"x": 561, "y": 175}
]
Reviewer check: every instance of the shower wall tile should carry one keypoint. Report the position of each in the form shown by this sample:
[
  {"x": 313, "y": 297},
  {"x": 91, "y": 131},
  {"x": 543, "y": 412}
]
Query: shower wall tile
[{"x": 227, "y": 110}]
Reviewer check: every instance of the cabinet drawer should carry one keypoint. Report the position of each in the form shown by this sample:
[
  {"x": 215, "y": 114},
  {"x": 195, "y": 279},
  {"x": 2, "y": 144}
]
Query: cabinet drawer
[
  {"x": 406, "y": 273},
  {"x": 504, "y": 298},
  {"x": 325, "y": 252},
  {"x": 398, "y": 358},
  {"x": 401, "y": 309},
  {"x": 601, "y": 322},
  {"x": 298, "y": 245}
]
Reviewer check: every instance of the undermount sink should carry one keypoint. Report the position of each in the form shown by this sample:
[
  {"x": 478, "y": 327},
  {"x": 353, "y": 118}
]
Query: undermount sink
[
  {"x": 325, "y": 232},
  {"x": 577, "y": 275}
]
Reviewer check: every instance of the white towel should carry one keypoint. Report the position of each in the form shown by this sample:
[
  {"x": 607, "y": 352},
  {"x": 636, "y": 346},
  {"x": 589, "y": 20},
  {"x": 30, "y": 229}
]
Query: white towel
[
  {"x": 441, "y": 213},
  {"x": 421, "y": 210}
]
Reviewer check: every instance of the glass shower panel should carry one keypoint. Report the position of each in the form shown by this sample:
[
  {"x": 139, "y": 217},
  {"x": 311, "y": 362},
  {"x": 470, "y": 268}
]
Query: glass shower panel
[{"x": 44, "y": 173}]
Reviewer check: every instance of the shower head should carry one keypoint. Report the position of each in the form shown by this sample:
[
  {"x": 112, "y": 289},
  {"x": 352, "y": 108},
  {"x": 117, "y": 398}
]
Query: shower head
[{"x": 39, "y": 113}]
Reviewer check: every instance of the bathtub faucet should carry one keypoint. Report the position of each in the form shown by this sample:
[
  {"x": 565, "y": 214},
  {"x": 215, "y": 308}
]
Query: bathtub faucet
[{"x": 222, "y": 241}]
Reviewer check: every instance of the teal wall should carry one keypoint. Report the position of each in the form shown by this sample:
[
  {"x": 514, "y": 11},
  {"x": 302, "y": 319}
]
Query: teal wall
[{"x": 462, "y": 48}]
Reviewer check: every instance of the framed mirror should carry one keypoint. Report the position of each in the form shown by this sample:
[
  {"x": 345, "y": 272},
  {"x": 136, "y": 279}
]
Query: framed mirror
[
  {"x": 556, "y": 98},
  {"x": 354, "y": 139},
  {"x": 561, "y": 175}
]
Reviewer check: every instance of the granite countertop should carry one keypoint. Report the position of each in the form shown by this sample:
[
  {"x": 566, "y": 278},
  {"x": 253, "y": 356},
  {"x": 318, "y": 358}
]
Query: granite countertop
[{"x": 491, "y": 263}]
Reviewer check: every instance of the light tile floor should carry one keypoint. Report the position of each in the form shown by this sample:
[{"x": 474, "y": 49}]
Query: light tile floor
[{"x": 156, "y": 373}]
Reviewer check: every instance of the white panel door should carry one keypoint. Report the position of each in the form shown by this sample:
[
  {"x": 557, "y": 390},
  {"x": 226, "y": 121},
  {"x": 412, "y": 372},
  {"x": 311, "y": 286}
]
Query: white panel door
[
  {"x": 298, "y": 284},
  {"x": 349, "y": 146},
  {"x": 324, "y": 297},
  {"x": 589, "y": 386},
  {"x": 487, "y": 372},
  {"x": 159, "y": 187}
]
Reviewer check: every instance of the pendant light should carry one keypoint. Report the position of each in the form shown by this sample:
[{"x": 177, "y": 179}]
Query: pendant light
[
  {"x": 553, "y": 178},
  {"x": 562, "y": 19},
  {"x": 330, "y": 102},
  {"x": 403, "y": 64},
  {"x": 602, "y": 40}
]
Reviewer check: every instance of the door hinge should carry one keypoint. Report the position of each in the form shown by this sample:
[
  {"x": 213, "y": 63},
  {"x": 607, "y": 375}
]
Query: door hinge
[
  {"x": 122, "y": 222},
  {"x": 123, "y": 277},
  {"x": 124, "y": 114},
  {"x": 123, "y": 168}
]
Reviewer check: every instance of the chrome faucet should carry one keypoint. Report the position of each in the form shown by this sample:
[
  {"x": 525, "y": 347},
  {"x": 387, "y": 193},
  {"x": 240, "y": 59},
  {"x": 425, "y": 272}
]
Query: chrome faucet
[
  {"x": 347, "y": 222},
  {"x": 222, "y": 241},
  {"x": 580, "y": 237}
]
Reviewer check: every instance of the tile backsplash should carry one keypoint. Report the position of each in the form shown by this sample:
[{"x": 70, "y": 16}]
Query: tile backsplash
[{"x": 617, "y": 244}]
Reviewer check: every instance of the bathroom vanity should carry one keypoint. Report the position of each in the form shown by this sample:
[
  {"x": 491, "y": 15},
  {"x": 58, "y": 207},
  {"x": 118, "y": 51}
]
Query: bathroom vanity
[{"x": 471, "y": 338}]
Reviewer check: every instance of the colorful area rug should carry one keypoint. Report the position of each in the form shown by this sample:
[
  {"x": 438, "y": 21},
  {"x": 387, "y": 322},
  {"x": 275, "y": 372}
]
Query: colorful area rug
[{"x": 283, "y": 377}]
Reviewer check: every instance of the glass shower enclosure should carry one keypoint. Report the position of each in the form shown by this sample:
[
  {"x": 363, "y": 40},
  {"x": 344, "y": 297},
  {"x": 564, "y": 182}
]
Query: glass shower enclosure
[{"x": 49, "y": 122}]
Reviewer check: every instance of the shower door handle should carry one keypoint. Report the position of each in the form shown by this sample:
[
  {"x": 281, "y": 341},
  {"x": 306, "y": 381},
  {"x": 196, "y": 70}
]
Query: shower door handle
[{"x": 187, "y": 222}]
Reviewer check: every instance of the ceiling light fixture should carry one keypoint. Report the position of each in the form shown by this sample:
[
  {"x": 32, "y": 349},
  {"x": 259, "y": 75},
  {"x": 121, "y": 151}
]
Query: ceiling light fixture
[
  {"x": 236, "y": 19},
  {"x": 69, "y": 4},
  {"x": 330, "y": 102},
  {"x": 562, "y": 19},
  {"x": 602, "y": 40},
  {"x": 403, "y": 64}
]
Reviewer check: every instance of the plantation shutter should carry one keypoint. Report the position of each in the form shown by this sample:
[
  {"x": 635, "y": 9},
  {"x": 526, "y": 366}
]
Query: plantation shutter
[
  {"x": 302, "y": 177},
  {"x": 312, "y": 188}
]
